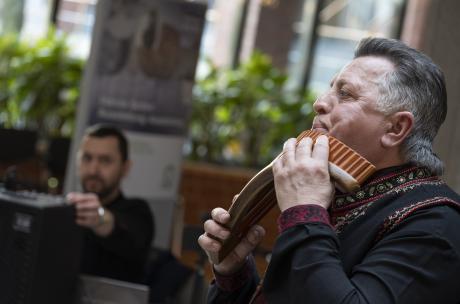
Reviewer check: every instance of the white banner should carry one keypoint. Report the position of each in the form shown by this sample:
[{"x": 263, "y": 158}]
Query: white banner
[{"x": 139, "y": 77}]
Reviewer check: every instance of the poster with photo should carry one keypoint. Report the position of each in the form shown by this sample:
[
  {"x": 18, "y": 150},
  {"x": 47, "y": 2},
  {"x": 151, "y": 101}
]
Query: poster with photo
[
  {"x": 145, "y": 65},
  {"x": 139, "y": 77}
]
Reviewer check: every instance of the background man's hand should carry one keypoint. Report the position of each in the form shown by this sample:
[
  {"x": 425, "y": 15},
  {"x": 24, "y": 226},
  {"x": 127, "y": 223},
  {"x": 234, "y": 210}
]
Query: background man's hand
[
  {"x": 236, "y": 259},
  {"x": 87, "y": 214},
  {"x": 301, "y": 174}
]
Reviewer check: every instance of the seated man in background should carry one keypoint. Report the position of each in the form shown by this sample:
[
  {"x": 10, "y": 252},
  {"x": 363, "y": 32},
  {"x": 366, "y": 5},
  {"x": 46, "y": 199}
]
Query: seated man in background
[{"x": 118, "y": 230}]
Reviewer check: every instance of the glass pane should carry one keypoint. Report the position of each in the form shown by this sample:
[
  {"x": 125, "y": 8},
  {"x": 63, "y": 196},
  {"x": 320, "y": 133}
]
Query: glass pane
[
  {"x": 76, "y": 19},
  {"x": 29, "y": 18},
  {"x": 220, "y": 33},
  {"x": 301, "y": 45},
  {"x": 342, "y": 23}
]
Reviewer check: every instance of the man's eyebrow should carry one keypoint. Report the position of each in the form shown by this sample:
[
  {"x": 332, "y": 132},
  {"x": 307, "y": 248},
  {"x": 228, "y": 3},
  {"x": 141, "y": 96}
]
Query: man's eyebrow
[
  {"x": 340, "y": 82},
  {"x": 84, "y": 155},
  {"x": 354, "y": 86},
  {"x": 104, "y": 156}
]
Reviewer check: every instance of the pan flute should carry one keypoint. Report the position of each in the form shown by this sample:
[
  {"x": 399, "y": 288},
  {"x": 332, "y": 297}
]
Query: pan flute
[{"x": 347, "y": 168}]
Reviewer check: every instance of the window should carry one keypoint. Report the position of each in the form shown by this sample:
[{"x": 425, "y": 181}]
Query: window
[
  {"x": 76, "y": 19},
  {"x": 330, "y": 29},
  {"x": 29, "y": 18}
]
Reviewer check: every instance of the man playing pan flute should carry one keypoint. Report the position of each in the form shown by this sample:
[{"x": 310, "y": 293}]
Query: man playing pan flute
[{"x": 395, "y": 240}]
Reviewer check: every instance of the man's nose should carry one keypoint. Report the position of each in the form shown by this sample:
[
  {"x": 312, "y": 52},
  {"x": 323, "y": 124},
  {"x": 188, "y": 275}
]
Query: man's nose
[
  {"x": 93, "y": 167},
  {"x": 323, "y": 104}
]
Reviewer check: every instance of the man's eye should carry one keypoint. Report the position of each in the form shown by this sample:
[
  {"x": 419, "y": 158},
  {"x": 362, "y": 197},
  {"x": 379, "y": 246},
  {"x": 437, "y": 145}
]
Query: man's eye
[
  {"x": 343, "y": 93},
  {"x": 105, "y": 160}
]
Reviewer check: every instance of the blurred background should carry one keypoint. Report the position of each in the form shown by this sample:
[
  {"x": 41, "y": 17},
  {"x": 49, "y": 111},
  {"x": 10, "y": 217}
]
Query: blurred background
[{"x": 259, "y": 67}]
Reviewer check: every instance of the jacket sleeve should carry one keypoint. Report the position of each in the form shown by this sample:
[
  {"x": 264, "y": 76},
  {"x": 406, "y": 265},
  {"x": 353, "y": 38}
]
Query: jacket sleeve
[
  {"x": 418, "y": 262},
  {"x": 236, "y": 289},
  {"x": 133, "y": 230}
]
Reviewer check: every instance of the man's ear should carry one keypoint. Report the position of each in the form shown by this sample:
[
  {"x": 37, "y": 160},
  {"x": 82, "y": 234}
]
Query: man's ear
[
  {"x": 399, "y": 125},
  {"x": 127, "y": 167}
]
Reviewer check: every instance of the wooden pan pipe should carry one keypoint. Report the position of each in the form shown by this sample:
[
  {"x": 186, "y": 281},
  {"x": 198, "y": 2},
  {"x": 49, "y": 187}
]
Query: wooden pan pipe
[{"x": 347, "y": 168}]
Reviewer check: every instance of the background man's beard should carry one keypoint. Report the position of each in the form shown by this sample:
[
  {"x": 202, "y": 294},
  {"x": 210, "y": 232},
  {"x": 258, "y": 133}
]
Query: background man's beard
[{"x": 105, "y": 190}]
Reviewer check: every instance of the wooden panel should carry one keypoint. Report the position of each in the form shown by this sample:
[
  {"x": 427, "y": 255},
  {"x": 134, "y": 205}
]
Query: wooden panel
[{"x": 204, "y": 187}]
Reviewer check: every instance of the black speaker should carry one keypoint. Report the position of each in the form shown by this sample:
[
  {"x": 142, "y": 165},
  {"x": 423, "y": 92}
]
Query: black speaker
[{"x": 40, "y": 247}]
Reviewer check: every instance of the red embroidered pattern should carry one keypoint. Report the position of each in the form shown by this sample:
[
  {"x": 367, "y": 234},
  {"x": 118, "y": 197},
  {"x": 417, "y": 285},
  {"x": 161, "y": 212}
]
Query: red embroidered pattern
[
  {"x": 348, "y": 207},
  {"x": 398, "y": 216},
  {"x": 302, "y": 214},
  {"x": 377, "y": 188}
]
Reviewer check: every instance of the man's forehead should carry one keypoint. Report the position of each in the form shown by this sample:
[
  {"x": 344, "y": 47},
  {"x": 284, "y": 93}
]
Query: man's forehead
[
  {"x": 106, "y": 145},
  {"x": 367, "y": 68},
  {"x": 371, "y": 66}
]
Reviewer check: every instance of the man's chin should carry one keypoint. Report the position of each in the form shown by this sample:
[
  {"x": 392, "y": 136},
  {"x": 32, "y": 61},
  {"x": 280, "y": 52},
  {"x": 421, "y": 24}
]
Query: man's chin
[
  {"x": 101, "y": 193},
  {"x": 93, "y": 184},
  {"x": 93, "y": 189}
]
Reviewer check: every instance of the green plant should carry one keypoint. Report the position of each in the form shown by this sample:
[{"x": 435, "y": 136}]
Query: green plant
[
  {"x": 39, "y": 84},
  {"x": 242, "y": 116}
]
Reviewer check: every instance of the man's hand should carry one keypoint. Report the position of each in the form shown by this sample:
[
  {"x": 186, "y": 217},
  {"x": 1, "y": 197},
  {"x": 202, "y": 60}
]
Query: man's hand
[
  {"x": 236, "y": 259},
  {"x": 87, "y": 208},
  {"x": 301, "y": 174}
]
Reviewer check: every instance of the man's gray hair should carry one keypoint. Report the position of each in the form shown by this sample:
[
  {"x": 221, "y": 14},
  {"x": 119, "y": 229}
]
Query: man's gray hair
[{"x": 417, "y": 85}]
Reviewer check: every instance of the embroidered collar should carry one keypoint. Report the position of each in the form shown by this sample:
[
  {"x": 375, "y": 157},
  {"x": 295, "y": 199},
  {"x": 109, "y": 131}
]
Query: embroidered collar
[{"x": 381, "y": 183}]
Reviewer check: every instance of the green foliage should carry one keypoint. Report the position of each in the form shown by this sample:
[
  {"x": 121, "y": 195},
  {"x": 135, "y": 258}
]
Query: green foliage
[
  {"x": 39, "y": 84},
  {"x": 243, "y": 116}
]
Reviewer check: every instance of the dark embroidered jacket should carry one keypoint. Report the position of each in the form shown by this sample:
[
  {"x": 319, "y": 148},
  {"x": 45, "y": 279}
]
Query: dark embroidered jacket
[{"x": 396, "y": 240}]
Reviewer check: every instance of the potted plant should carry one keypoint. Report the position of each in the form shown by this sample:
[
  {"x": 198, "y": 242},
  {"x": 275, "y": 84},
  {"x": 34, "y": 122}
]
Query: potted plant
[
  {"x": 242, "y": 116},
  {"x": 39, "y": 85},
  {"x": 39, "y": 89},
  {"x": 239, "y": 121}
]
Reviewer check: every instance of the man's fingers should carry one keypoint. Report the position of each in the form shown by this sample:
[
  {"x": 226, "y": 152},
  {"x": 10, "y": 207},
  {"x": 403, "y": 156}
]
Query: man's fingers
[
  {"x": 88, "y": 204},
  {"x": 70, "y": 197},
  {"x": 249, "y": 242},
  {"x": 255, "y": 235},
  {"x": 208, "y": 244},
  {"x": 289, "y": 151},
  {"x": 277, "y": 164},
  {"x": 75, "y": 197},
  {"x": 321, "y": 148},
  {"x": 303, "y": 151},
  {"x": 213, "y": 228},
  {"x": 220, "y": 215}
]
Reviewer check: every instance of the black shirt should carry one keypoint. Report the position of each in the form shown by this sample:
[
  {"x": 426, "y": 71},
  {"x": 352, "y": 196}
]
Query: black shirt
[{"x": 121, "y": 255}]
